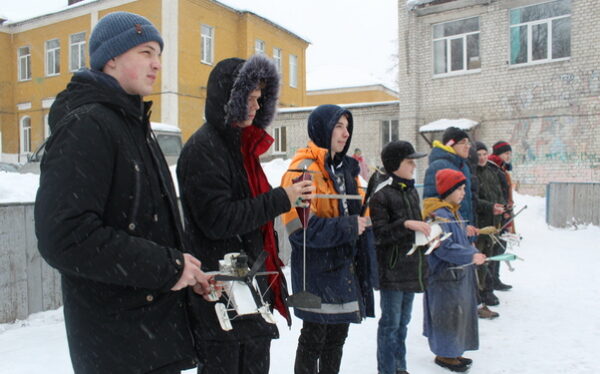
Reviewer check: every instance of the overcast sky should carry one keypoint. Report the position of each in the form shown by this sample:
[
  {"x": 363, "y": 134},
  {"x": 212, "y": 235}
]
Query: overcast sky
[{"x": 353, "y": 42}]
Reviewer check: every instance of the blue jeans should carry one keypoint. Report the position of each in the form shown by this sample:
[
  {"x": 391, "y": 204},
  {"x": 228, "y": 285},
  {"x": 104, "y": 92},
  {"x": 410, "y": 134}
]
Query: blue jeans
[{"x": 396, "y": 309}]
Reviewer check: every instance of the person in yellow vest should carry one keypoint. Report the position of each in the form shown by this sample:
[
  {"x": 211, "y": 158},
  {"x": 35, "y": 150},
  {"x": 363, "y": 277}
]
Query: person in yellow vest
[{"x": 340, "y": 254}]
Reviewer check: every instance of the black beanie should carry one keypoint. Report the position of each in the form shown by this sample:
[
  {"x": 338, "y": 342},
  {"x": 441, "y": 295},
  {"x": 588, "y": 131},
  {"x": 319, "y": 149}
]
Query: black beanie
[
  {"x": 501, "y": 147},
  {"x": 453, "y": 135},
  {"x": 480, "y": 145}
]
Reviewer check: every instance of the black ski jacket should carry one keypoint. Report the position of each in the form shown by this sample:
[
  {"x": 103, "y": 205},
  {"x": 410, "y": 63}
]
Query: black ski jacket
[
  {"x": 220, "y": 214},
  {"x": 390, "y": 208},
  {"x": 106, "y": 218}
]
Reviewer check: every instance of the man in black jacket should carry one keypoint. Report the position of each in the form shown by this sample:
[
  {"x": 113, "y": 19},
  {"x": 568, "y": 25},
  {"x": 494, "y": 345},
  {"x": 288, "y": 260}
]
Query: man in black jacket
[
  {"x": 229, "y": 206},
  {"x": 489, "y": 213},
  {"x": 396, "y": 215},
  {"x": 106, "y": 213}
]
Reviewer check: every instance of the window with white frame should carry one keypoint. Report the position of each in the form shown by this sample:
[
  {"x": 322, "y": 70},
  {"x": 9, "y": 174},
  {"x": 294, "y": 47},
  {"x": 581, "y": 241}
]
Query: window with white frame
[
  {"x": 277, "y": 58},
  {"x": 456, "y": 46},
  {"x": 208, "y": 44},
  {"x": 389, "y": 131},
  {"x": 540, "y": 33},
  {"x": 26, "y": 135},
  {"x": 24, "y": 63},
  {"x": 259, "y": 46},
  {"x": 53, "y": 57},
  {"x": 280, "y": 140},
  {"x": 77, "y": 51},
  {"x": 293, "y": 71}
]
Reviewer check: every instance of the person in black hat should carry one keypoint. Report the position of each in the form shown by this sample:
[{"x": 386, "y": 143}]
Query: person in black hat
[
  {"x": 452, "y": 153},
  {"x": 396, "y": 215},
  {"x": 489, "y": 213}
]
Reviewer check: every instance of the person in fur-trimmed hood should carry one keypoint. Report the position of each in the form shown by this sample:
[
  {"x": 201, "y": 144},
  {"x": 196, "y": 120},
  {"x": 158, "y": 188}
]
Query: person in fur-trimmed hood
[{"x": 229, "y": 206}]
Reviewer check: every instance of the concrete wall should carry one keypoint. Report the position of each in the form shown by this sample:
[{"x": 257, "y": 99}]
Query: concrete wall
[
  {"x": 27, "y": 284},
  {"x": 549, "y": 112}
]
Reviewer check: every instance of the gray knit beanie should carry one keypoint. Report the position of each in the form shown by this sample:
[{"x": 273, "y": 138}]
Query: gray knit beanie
[{"x": 118, "y": 32}]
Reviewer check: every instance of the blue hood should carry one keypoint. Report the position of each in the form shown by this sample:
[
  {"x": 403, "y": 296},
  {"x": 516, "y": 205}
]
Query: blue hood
[{"x": 321, "y": 123}]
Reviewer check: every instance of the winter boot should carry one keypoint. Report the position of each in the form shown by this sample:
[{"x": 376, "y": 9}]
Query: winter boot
[
  {"x": 464, "y": 360},
  {"x": 488, "y": 298},
  {"x": 451, "y": 363},
  {"x": 499, "y": 286},
  {"x": 486, "y": 313}
]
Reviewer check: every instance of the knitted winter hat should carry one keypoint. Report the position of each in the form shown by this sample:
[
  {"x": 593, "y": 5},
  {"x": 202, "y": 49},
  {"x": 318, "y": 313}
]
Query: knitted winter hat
[
  {"x": 118, "y": 32},
  {"x": 501, "y": 147},
  {"x": 480, "y": 145},
  {"x": 447, "y": 181},
  {"x": 453, "y": 135},
  {"x": 394, "y": 152}
]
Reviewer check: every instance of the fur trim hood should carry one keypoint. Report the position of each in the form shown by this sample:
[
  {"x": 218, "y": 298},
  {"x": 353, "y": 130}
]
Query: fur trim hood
[{"x": 229, "y": 85}]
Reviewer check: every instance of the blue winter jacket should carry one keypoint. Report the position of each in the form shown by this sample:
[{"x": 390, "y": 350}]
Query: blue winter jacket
[{"x": 442, "y": 158}]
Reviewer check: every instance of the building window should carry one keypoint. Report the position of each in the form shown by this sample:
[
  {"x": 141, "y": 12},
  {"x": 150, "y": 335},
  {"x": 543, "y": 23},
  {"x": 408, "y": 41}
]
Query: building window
[
  {"x": 259, "y": 46},
  {"x": 53, "y": 57},
  {"x": 456, "y": 46},
  {"x": 277, "y": 58},
  {"x": 24, "y": 63},
  {"x": 293, "y": 71},
  {"x": 208, "y": 44},
  {"x": 280, "y": 140},
  {"x": 77, "y": 51},
  {"x": 389, "y": 131},
  {"x": 540, "y": 33},
  {"x": 26, "y": 135}
]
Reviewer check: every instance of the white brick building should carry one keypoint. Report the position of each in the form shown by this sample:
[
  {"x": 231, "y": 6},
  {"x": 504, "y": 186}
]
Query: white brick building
[{"x": 527, "y": 70}]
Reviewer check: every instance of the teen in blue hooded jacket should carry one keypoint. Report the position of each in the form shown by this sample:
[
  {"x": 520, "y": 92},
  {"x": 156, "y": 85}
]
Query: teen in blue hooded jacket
[{"x": 340, "y": 253}]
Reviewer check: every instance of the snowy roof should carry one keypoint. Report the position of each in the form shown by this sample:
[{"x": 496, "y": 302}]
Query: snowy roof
[
  {"x": 157, "y": 126},
  {"x": 411, "y": 4},
  {"x": 353, "y": 105},
  {"x": 443, "y": 124}
]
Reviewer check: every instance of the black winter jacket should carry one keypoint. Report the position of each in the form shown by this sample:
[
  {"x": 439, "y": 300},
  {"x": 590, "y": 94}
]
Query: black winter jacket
[
  {"x": 490, "y": 193},
  {"x": 390, "y": 208},
  {"x": 106, "y": 218},
  {"x": 221, "y": 216}
]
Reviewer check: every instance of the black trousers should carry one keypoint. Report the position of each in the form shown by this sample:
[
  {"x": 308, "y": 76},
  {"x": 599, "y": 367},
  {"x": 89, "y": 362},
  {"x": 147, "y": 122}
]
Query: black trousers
[
  {"x": 320, "y": 348},
  {"x": 495, "y": 265},
  {"x": 236, "y": 357}
]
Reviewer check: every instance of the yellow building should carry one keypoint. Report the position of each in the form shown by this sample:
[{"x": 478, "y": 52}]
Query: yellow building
[
  {"x": 350, "y": 95},
  {"x": 44, "y": 51}
]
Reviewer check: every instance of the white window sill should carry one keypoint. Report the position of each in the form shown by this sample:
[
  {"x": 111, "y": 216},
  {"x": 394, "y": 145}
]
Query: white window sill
[
  {"x": 457, "y": 73},
  {"x": 539, "y": 62}
]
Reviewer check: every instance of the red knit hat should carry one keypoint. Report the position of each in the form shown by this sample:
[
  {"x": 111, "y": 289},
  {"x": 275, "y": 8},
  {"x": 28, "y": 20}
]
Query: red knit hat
[{"x": 447, "y": 181}]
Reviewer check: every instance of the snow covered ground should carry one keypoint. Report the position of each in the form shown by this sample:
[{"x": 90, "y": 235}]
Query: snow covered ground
[{"x": 549, "y": 321}]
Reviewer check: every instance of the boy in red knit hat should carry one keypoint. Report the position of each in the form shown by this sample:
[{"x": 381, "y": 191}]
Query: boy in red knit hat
[{"x": 450, "y": 313}]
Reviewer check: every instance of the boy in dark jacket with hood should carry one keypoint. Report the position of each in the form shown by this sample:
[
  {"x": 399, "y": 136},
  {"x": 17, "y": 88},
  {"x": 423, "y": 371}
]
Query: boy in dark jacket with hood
[
  {"x": 452, "y": 153},
  {"x": 396, "y": 215},
  {"x": 229, "y": 206},
  {"x": 339, "y": 250},
  {"x": 106, "y": 212}
]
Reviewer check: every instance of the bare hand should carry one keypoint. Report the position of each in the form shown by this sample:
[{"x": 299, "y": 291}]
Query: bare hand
[
  {"x": 296, "y": 190},
  {"x": 192, "y": 275},
  {"x": 213, "y": 293},
  {"x": 498, "y": 209},
  {"x": 472, "y": 230},
  {"x": 479, "y": 258},
  {"x": 415, "y": 225},
  {"x": 363, "y": 223}
]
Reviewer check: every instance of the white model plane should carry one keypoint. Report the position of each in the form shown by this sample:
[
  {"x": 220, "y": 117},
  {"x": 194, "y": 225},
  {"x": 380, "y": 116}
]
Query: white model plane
[{"x": 240, "y": 289}]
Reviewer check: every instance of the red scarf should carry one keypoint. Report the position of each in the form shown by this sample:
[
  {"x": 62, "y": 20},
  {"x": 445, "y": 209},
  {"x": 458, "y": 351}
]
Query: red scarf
[{"x": 255, "y": 142}]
